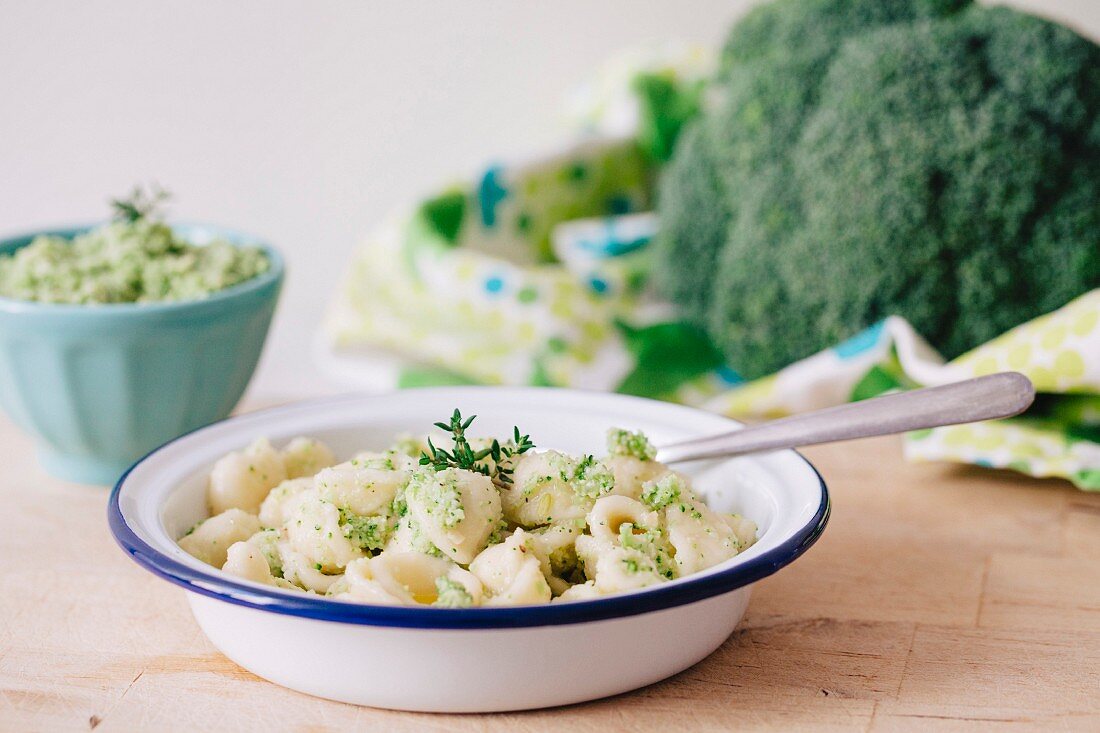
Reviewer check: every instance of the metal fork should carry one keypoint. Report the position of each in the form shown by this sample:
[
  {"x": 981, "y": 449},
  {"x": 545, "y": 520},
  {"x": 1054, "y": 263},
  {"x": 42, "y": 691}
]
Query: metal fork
[{"x": 985, "y": 398}]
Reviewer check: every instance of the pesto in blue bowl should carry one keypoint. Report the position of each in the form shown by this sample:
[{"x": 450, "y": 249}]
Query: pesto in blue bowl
[{"x": 101, "y": 385}]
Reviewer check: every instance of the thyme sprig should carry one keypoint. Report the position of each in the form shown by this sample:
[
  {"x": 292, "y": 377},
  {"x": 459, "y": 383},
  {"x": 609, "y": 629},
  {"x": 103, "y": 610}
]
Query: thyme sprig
[
  {"x": 518, "y": 445},
  {"x": 140, "y": 204},
  {"x": 462, "y": 454}
]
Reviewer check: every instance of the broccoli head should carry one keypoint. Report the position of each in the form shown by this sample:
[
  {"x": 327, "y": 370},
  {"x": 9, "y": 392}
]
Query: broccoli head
[{"x": 869, "y": 158}]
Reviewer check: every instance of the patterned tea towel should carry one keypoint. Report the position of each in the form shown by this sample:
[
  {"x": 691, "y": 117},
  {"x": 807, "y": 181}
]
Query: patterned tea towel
[{"x": 539, "y": 274}]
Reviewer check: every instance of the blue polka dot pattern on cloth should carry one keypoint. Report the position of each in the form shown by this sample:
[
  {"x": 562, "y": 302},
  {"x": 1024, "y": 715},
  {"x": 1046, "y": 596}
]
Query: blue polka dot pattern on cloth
[
  {"x": 598, "y": 284},
  {"x": 494, "y": 284}
]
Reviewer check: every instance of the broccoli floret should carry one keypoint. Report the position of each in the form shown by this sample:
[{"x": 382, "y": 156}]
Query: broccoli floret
[
  {"x": 878, "y": 157},
  {"x": 626, "y": 443},
  {"x": 451, "y": 594},
  {"x": 662, "y": 492}
]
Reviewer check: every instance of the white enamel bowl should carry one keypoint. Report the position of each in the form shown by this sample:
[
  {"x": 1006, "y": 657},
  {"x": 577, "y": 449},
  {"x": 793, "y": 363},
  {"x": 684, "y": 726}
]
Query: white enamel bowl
[{"x": 479, "y": 659}]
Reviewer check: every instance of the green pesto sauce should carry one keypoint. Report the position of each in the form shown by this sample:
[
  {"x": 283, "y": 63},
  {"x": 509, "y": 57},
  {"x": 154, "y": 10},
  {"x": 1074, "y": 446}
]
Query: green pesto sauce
[
  {"x": 138, "y": 261},
  {"x": 626, "y": 443},
  {"x": 451, "y": 594},
  {"x": 666, "y": 490}
]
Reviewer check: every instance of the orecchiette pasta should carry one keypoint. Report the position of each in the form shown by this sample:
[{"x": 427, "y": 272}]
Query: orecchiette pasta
[
  {"x": 305, "y": 457},
  {"x": 314, "y": 529},
  {"x": 363, "y": 485},
  {"x": 242, "y": 480},
  {"x": 299, "y": 570},
  {"x": 579, "y": 592},
  {"x": 631, "y": 473},
  {"x": 282, "y": 500},
  {"x": 456, "y": 510},
  {"x": 245, "y": 560},
  {"x": 511, "y": 572},
  {"x": 210, "y": 540},
  {"x": 614, "y": 568},
  {"x": 542, "y": 492},
  {"x": 609, "y": 513},
  {"x": 483, "y": 524}
]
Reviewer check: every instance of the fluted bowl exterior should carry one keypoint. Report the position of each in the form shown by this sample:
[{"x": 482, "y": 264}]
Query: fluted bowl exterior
[{"x": 99, "y": 386}]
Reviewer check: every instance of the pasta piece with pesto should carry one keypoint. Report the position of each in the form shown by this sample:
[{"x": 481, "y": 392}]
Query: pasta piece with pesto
[
  {"x": 455, "y": 509},
  {"x": 512, "y": 573},
  {"x": 305, "y": 457},
  {"x": 408, "y": 578},
  {"x": 252, "y": 560},
  {"x": 243, "y": 480},
  {"x": 282, "y": 501},
  {"x": 551, "y": 488},
  {"x": 700, "y": 536},
  {"x": 362, "y": 485},
  {"x": 210, "y": 539},
  {"x": 315, "y": 531}
]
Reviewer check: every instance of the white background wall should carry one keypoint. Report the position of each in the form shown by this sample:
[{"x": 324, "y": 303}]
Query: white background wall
[{"x": 303, "y": 122}]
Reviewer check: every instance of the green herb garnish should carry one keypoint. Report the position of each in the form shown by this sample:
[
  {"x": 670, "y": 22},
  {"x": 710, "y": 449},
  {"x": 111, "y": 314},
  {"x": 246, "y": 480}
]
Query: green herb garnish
[
  {"x": 141, "y": 204},
  {"x": 463, "y": 456}
]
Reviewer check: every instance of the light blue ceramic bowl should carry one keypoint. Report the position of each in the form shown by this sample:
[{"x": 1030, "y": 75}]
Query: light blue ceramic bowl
[{"x": 99, "y": 386}]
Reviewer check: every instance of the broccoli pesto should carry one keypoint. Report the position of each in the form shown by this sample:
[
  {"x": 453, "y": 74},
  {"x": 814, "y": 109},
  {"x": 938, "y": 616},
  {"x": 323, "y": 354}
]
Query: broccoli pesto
[
  {"x": 662, "y": 492},
  {"x": 626, "y": 443},
  {"x": 477, "y": 523},
  {"x": 136, "y": 258},
  {"x": 591, "y": 479},
  {"x": 451, "y": 594},
  {"x": 365, "y": 532},
  {"x": 440, "y": 495}
]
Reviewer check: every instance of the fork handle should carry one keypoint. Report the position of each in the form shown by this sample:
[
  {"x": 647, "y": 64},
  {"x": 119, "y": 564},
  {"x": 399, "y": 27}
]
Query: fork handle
[{"x": 984, "y": 398}]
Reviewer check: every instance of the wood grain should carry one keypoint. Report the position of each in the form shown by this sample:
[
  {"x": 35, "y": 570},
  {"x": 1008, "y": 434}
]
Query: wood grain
[{"x": 940, "y": 598}]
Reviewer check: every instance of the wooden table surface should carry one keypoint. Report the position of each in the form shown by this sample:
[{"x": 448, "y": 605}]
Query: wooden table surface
[{"x": 939, "y": 597}]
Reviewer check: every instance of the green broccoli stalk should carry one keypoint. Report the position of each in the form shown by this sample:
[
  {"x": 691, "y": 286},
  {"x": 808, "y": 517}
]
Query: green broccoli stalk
[{"x": 933, "y": 160}]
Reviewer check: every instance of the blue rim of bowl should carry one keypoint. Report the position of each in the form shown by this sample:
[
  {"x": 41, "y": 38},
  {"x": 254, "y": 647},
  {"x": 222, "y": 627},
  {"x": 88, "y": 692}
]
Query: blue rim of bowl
[
  {"x": 235, "y": 237},
  {"x": 217, "y": 585}
]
